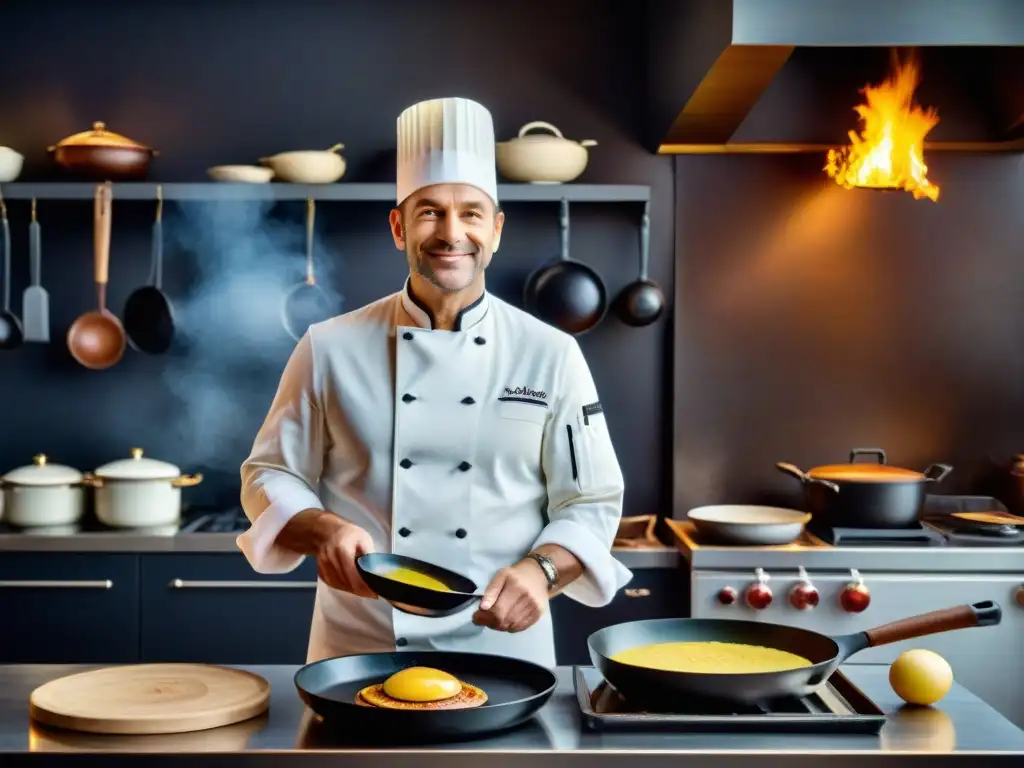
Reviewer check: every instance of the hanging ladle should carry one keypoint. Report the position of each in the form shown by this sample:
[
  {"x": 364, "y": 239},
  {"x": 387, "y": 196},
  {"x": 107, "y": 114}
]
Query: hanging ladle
[
  {"x": 97, "y": 339},
  {"x": 642, "y": 301},
  {"x": 11, "y": 334},
  {"x": 306, "y": 303}
]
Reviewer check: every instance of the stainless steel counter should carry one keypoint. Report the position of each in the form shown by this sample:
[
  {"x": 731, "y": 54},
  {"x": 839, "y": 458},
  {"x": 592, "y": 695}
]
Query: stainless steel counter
[
  {"x": 962, "y": 726},
  {"x": 135, "y": 542}
]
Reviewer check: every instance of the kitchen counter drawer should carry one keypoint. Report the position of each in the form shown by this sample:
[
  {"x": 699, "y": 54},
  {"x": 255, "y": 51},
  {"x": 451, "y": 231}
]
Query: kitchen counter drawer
[
  {"x": 214, "y": 608},
  {"x": 69, "y": 608},
  {"x": 654, "y": 593}
]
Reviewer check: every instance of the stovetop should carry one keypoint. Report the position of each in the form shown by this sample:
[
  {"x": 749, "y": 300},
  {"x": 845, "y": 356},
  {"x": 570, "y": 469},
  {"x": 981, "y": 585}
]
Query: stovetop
[
  {"x": 939, "y": 526},
  {"x": 193, "y": 520},
  {"x": 838, "y": 707}
]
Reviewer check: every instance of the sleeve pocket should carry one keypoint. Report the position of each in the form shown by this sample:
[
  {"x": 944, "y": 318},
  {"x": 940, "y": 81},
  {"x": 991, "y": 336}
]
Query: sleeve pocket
[{"x": 591, "y": 450}]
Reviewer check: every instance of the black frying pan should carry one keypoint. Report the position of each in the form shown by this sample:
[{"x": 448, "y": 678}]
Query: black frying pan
[
  {"x": 659, "y": 689},
  {"x": 566, "y": 293},
  {"x": 515, "y": 690},
  {"x": 148, "y": 314},
  {"x": 419, "y": 601}
]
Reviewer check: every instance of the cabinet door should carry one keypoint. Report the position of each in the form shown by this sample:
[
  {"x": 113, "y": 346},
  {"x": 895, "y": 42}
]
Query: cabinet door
[
  {"x": 69, "y": 608},
  {"x": 213, "y": 608},
  {"x": 654, "y": 593}
]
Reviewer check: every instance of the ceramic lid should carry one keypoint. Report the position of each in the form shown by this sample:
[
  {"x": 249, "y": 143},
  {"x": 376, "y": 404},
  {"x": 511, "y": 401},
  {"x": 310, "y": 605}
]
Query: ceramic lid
[
  {"x": 138, "y": 468},
  {"x": 41, "y": 472},
  {"x": 99, "y": 136}
]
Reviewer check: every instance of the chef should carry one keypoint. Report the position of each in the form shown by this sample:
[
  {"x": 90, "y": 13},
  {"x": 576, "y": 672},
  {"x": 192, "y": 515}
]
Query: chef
[{"x": 441, "y": 423}]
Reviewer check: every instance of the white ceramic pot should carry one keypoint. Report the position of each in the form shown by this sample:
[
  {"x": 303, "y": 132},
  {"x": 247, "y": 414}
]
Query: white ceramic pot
[
  {"x": 542, "y": 158},
  {"x": 43, "y": 494},
  {"x": 311, "y": 166},
  {"x": 139, "y": 492},
  {"x": 11, "y": 163}
]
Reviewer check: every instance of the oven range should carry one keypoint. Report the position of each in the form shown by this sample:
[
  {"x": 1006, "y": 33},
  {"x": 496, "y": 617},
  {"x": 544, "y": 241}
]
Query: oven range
[{"x": 841, "y": 581}]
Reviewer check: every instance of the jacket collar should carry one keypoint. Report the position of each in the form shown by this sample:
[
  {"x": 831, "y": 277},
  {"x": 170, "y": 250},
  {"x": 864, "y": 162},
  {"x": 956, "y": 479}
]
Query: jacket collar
[{"x": 422, "y": 316}]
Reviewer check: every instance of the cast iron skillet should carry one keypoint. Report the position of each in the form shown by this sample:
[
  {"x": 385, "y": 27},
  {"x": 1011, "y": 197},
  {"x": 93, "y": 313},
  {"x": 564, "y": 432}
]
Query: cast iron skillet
[
  {"x": 566, "y": 293},
  {"x": 407, "y": 598},
  {"x": 515, "y": 690},
  {"x": 655, "y": 688}
]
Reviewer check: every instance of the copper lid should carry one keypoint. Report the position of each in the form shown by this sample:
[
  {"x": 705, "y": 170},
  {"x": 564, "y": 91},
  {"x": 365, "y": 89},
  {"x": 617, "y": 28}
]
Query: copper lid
[
  {"x": 865, "y": 473},
  {"x": 99, "y": 136}
]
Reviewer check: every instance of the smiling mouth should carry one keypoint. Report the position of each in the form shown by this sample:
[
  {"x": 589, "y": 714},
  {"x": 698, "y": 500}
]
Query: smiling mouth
[{"x": 447, "y": 255}]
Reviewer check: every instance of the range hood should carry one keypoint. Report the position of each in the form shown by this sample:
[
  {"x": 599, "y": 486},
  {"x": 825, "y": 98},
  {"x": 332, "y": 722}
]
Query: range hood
[{"x": 714, "y": 66}]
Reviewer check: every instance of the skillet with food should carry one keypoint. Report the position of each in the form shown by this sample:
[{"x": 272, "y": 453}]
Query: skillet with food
[
  {"x": 659, "y": 662},
  {"x": 426, "y": 696}
]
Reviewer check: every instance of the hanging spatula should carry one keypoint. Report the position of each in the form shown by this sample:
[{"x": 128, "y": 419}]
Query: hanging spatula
[{"x": 35, "y": 308}]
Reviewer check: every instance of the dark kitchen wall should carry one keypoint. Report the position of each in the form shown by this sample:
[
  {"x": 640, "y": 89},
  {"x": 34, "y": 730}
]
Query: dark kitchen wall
[
  {"x": 228, "y": 82},
  {"x": 811, "y": 319}
]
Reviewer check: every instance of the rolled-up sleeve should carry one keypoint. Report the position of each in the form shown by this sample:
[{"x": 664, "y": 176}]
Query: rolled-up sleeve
[
  {"x": 281, "y": 476},
  {"x": 584, "y": 484}
]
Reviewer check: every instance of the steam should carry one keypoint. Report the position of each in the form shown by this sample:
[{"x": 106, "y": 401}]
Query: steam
[{"x": 229, "y": 325}]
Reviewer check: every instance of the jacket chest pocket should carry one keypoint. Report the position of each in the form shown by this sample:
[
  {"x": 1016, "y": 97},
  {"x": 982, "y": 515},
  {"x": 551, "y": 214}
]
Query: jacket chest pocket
[
  {"x": 520, "y": 428},
  {"x": 594, "y": 465}
]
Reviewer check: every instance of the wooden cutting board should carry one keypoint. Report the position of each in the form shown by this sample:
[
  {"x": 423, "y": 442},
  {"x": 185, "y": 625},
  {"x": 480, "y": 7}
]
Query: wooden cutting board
[{"x": 150, "y": 698}]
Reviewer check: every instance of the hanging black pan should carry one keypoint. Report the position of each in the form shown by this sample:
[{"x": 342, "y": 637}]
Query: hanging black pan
[
  {"x": 148, "y": 313},
  {"x": 654, "y": 688},
  {"x": 566, "y": 293},
  {"x": 641, "y": 302},
  {"x": 515, "y": 690}
]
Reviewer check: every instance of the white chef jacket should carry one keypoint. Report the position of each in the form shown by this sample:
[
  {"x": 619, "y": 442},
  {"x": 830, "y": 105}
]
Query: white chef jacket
[{"x": 464, "y": 448}]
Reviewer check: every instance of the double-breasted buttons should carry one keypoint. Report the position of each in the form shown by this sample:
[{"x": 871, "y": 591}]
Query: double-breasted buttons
[
  {"x": 480, "y": 340},
  {"x": 407, "y": 398},
  {"x": 465, "y": 466},
  {"x": 461, "y": 533},
  {"x": 407, "y": 336},
  {"x": 405, "y": 463},
  {"x": 403, "y": 532},
  {"x": 468, "y": 400}
]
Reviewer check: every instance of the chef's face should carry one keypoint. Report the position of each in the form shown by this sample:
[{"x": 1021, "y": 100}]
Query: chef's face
[{"x": 449, "y": 233}]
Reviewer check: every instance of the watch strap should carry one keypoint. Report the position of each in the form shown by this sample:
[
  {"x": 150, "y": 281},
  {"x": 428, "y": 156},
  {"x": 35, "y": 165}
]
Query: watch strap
[{"x": 550, "y": 571}]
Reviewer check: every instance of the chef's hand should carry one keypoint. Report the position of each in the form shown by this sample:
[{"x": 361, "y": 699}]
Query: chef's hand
[
  {"x": 336, "y": 558},
  {"x": 515, "y": 599}
]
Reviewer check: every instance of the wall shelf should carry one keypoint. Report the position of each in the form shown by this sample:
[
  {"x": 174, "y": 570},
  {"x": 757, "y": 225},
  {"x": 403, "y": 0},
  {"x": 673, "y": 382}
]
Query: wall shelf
[{"x": 217, "y": 191}]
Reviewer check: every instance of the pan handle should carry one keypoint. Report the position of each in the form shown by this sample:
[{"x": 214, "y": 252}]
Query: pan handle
[
  {"x": 983, "y": 614},
  {"x": 795, "y": 471},
  {"x": 936, "y": 473}
]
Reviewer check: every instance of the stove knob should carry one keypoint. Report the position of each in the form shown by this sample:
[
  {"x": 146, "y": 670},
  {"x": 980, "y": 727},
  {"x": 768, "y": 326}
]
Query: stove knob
[
  {"x": 759, "y": 595},
  {"x": 727, "y": 596},
  {"x": 855, "y": 597},
  {"x": 804, "y": 596}
]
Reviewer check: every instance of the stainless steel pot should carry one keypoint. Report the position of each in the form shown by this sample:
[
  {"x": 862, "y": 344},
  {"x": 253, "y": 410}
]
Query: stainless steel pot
[
  {"x": 43, "y": 494},
  {"x": 866, "y": 494},
  {"x": 139, "y": 492}
]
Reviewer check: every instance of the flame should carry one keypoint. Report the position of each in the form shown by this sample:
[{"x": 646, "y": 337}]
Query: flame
[{"x": 888, "y": 152}]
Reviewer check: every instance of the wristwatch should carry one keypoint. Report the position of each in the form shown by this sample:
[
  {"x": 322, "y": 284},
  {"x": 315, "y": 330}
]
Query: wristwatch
[{"x": 550, "y": 572}]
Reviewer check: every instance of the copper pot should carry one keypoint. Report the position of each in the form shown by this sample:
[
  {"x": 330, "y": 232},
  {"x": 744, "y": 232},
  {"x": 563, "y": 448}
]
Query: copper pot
[{"x": 102, "y": 155}]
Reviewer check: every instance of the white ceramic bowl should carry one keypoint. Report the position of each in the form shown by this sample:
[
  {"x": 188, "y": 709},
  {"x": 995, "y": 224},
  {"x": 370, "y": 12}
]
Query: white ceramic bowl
[
  {"x": 243, "y": 174},
  {"x": 11, "y": 163}
]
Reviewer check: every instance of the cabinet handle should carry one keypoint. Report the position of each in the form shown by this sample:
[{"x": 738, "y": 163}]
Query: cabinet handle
[
  {"x": 640, "y": 592},
  {"x": 57, "y": 584},
  {"x": 183, "y": 584}
]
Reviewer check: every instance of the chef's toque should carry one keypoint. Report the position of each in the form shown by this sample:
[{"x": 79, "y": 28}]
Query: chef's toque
[{"x": 446, "y": 141}]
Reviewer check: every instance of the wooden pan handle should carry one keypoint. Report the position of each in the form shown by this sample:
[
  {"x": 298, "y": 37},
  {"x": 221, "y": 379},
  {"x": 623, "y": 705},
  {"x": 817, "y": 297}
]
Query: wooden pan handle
[
  {"x": 983, "y": 614},
  {"x": 101, "y": 233}
]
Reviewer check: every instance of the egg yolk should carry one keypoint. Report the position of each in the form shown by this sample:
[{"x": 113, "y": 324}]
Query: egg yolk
[{"x": 422, "y": 684}]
